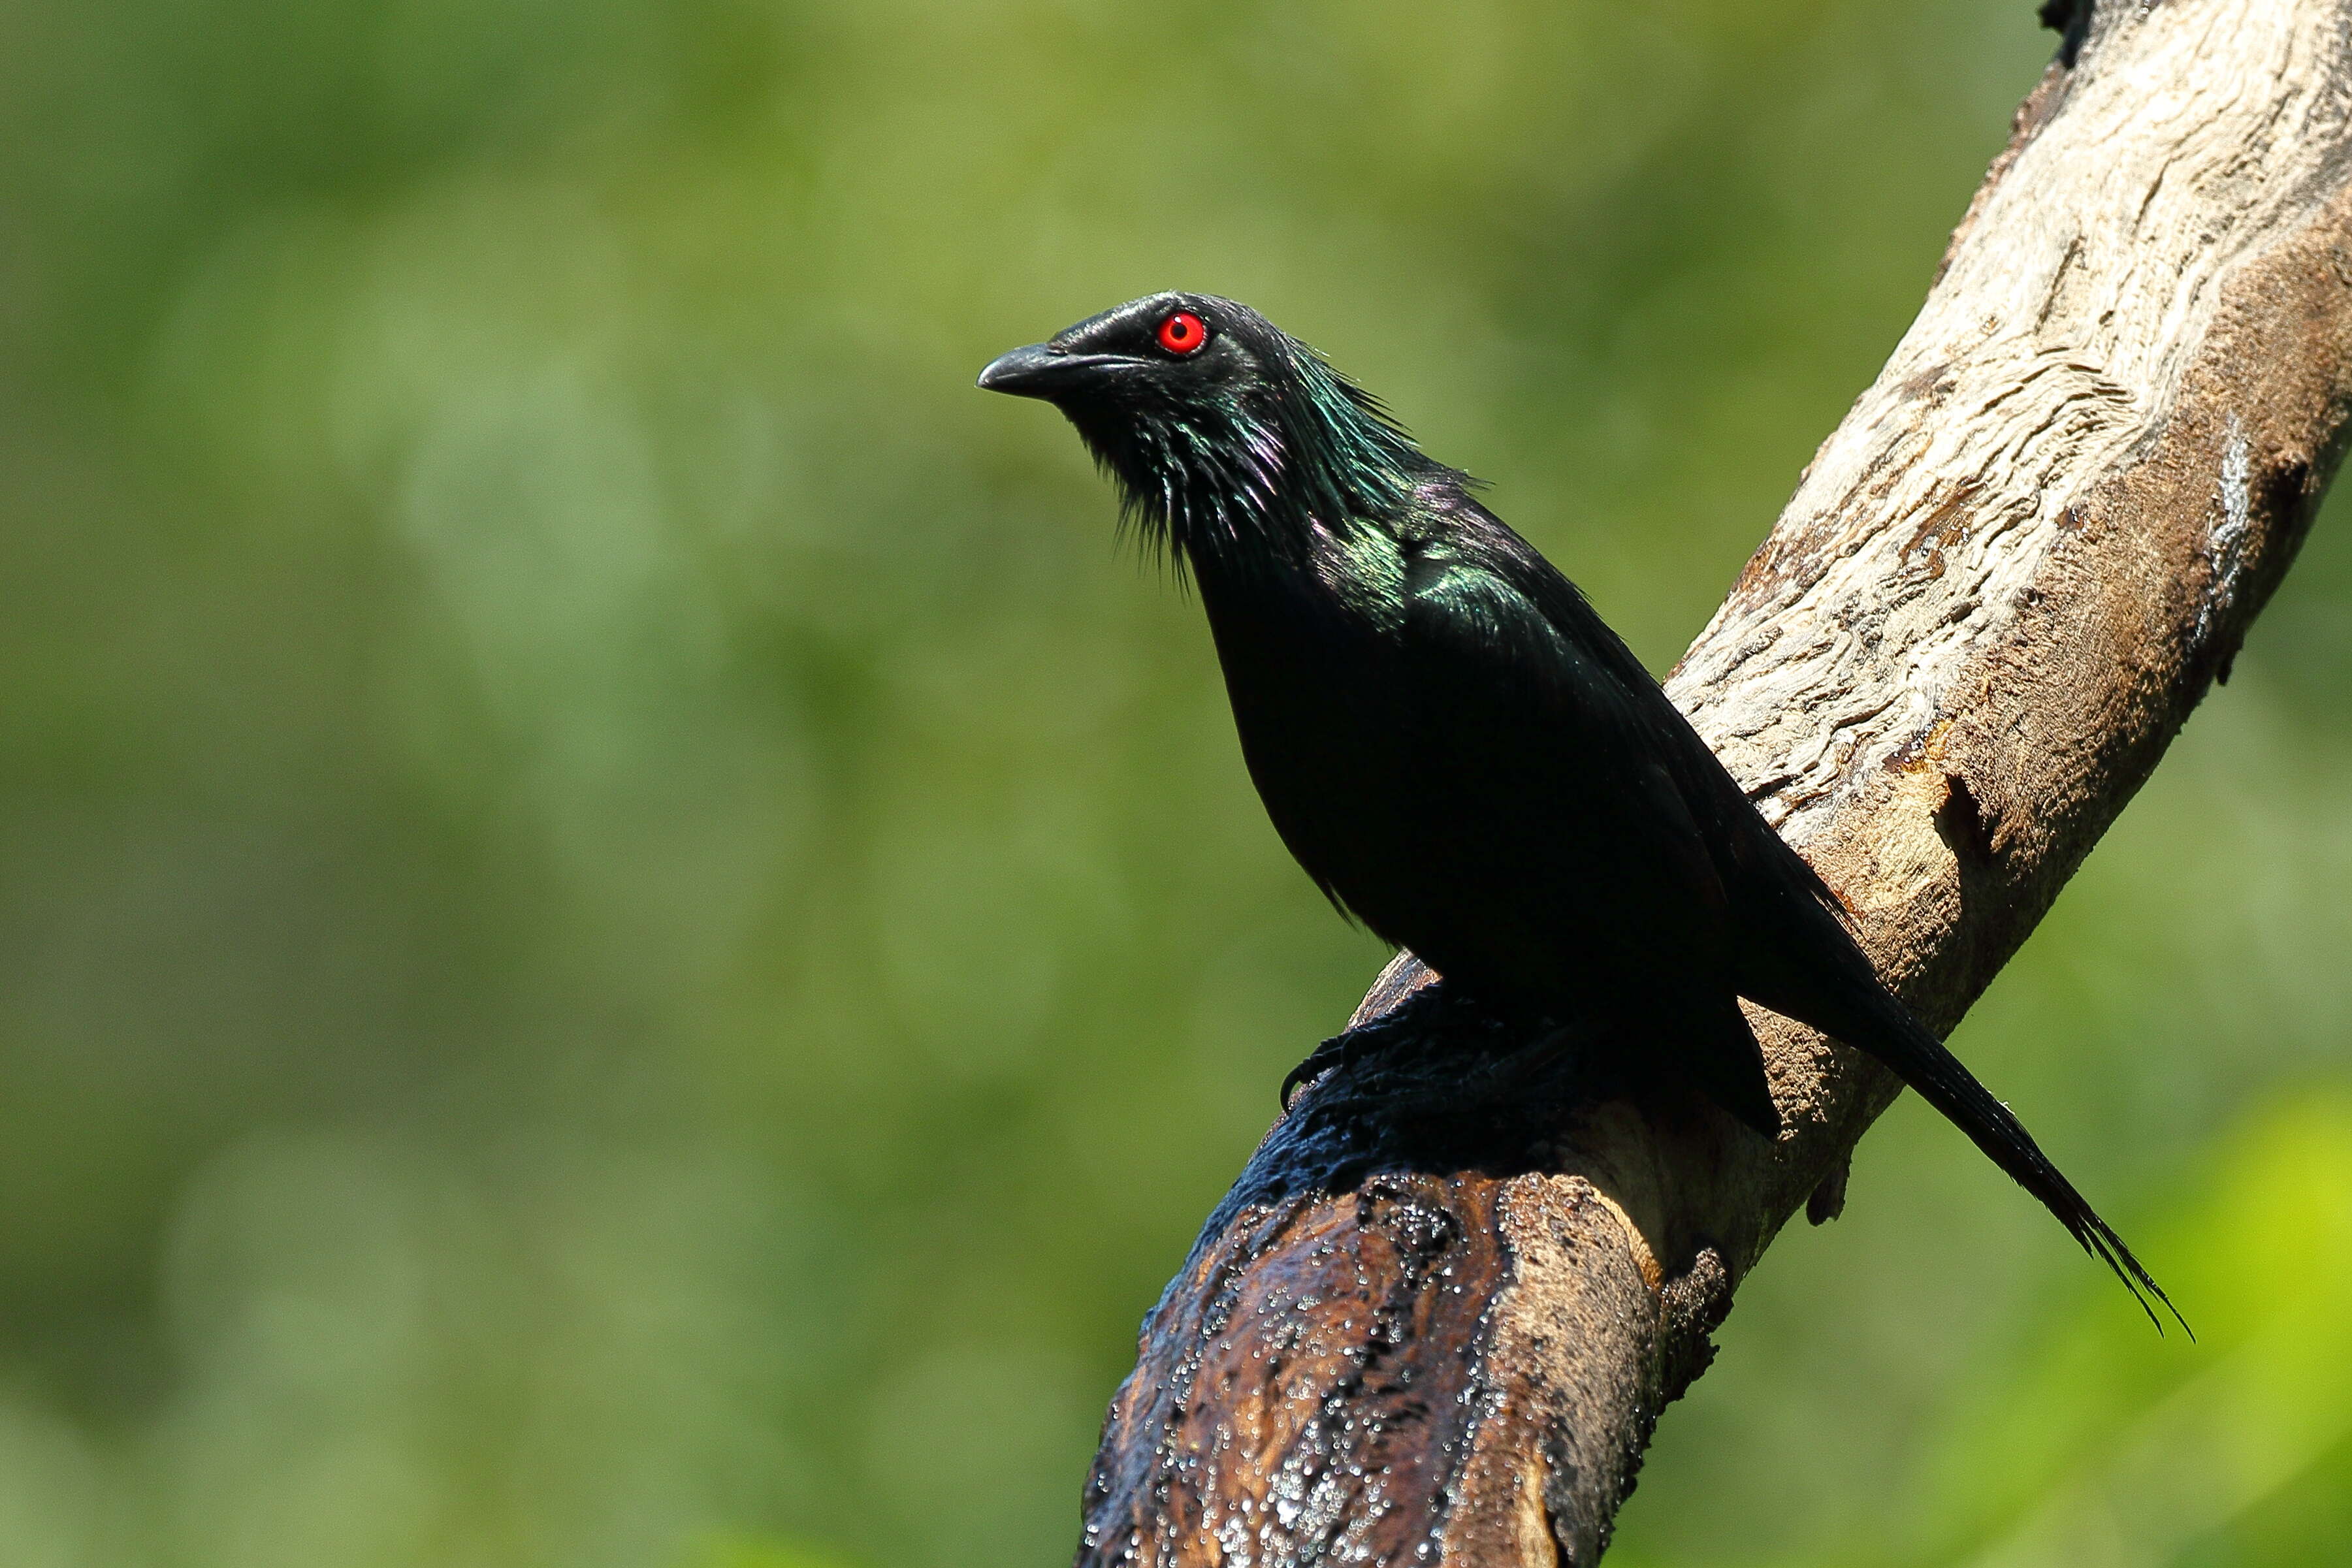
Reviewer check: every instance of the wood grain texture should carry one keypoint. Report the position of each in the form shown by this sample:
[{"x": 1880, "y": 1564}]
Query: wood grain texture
[{"x": 1436, "y": 1318}]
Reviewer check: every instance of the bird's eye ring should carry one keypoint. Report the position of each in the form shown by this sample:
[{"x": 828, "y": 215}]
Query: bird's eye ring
[{"x": 1183, "y": 333}]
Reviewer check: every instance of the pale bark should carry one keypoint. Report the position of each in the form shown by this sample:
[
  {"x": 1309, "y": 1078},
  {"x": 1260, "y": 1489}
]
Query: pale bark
[{"x": 1436, "y": 1318}]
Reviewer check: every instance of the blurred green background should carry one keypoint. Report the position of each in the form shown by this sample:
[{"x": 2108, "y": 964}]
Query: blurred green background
[{"x": 625, "y": 939}]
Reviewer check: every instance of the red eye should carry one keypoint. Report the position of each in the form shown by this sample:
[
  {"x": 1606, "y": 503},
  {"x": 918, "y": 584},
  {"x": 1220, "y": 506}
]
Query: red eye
[{"x": 1183, "y": 333}]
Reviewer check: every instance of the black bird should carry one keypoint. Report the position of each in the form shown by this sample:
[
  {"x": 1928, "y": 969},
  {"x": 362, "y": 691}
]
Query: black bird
[{"x": 1452, "y": 742}]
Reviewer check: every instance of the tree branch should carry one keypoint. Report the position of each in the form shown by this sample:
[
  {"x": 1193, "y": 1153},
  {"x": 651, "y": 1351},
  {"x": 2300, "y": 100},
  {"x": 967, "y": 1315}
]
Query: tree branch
[{"x": 1437, "y": 1316}]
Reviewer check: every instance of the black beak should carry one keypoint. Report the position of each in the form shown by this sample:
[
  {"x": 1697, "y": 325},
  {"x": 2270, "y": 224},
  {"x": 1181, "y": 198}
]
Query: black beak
[{"x": 1041, "y": 371}]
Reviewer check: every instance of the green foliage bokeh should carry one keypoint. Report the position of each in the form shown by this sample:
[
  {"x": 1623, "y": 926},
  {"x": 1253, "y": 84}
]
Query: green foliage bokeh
[{"x": 625, "y": 939}]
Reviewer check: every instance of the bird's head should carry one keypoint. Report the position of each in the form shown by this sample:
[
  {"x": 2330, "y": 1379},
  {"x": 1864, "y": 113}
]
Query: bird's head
[{"x": 1228, "y": 437}]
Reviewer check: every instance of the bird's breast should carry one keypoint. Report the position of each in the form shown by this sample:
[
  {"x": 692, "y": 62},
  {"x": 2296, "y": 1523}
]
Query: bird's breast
[{"x": 1319, "y": 699}]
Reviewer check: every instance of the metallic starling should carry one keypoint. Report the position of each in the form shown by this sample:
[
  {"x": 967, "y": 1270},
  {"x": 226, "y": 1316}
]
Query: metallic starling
[{"x": 1455, "y": 747}]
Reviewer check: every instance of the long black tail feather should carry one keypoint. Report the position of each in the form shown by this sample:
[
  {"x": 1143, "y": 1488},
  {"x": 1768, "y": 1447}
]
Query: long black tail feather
[{"x": 1900, "y": 1040}]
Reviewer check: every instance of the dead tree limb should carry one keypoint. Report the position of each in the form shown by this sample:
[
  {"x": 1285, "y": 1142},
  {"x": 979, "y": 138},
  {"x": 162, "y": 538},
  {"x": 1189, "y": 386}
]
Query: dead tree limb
[{"x": 1437, "y": 1316}]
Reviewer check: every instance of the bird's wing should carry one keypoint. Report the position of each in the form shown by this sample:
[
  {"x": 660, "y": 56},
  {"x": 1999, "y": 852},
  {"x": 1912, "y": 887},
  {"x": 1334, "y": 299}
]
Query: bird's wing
[
  {"x": 1746, "y": 850},
  {"x": 1588, "y": 764},
  {"x": 1725, "y": 818}
]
